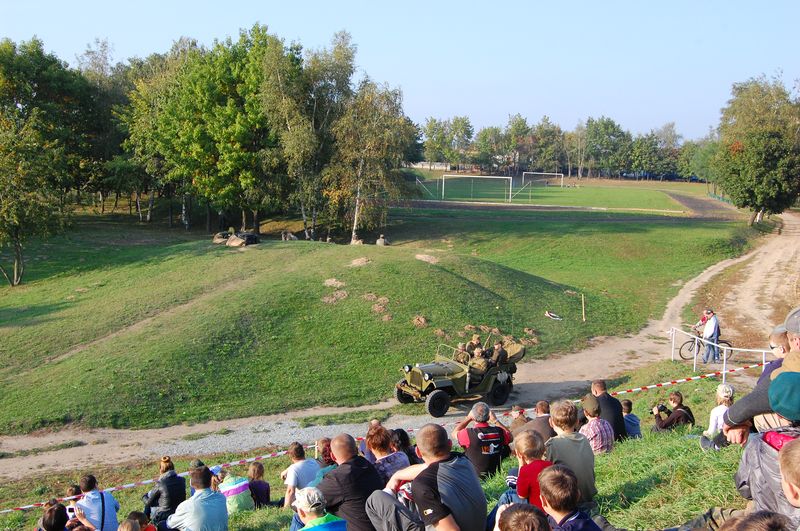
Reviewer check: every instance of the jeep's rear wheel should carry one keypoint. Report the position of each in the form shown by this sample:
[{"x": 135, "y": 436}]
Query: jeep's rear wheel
[
  {"x": 499, "y": 393},
  {"x": 402, "y": 396},
  {"x": 437, "y": 403}
]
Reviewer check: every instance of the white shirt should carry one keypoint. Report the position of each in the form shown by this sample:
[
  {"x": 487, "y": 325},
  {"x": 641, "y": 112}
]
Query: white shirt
[
  {"x": 93, "y": 508},
  {"x": 711, "y": 327},
  {"x": 715, "y": 421},
  {"x": 299, "y": 475}
]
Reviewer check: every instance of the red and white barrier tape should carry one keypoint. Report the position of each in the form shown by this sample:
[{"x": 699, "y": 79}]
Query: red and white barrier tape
[
  {"x": 682, "y": 380},
  {"x": 284, "y": 452}
]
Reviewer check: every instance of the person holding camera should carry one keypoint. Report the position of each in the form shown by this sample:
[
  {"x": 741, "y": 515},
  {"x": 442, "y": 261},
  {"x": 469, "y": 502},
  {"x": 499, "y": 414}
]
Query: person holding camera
[{"x": 680, "y": 414}]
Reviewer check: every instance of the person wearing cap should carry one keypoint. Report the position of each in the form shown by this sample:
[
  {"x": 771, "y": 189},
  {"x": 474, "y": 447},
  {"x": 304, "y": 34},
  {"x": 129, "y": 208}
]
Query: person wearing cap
[
  {"x": 499, "y": 354},
  {"x": 310, "y": 505},
  {"x": 598, "y": 431},
  {"x": 711, "y": 335},
  {"x": 474, "y": 343},
  {"x": 461, "y": 355}
]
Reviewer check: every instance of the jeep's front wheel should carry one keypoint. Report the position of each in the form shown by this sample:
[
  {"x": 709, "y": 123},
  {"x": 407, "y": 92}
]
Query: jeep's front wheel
[
  {"x": 402, "y": 396},
  {"x": 499, "y": 393},
  {"x": 437, "y": 403}
]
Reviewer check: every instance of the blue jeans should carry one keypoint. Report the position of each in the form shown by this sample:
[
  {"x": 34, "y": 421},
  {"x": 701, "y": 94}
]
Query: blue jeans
[
  {"x": 296, "y": 523},
  {"x": 712, "y": 351}
]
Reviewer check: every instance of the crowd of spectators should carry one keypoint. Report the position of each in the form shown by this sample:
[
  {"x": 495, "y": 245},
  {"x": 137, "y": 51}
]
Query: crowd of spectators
[{"x": 386, "y": 483}]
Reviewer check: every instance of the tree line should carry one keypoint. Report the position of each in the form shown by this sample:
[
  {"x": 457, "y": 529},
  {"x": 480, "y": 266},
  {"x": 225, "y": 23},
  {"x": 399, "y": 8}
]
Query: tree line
[
  {"x": 753, "y": 156},
  {"x": 248, "y": 125}
]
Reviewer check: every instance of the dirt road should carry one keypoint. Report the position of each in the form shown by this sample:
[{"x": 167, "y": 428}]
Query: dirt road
[{"x": 765, "y": 288}]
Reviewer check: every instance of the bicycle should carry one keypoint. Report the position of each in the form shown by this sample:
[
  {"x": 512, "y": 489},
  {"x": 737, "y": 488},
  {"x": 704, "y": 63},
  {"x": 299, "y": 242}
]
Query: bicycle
[{"x": 686, "y": 350}]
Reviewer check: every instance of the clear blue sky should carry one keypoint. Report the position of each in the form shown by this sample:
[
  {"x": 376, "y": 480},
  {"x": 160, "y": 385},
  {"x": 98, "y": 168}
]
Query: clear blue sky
[{"x": 642, "y": 63}]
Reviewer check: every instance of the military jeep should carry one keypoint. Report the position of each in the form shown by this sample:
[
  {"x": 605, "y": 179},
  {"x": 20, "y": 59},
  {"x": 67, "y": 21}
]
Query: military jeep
[{"x": 444, "y": 380}]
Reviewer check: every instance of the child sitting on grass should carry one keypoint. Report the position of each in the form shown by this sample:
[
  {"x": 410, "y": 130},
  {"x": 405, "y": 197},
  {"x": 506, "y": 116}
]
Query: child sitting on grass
[
  {"x": 632, "y": 423},
  {"x": 572, "y": 449},
  {"x": 560, "y": 496},
  {"x": 529, "y": 449},
  {"x": 144, "y": 521},
  {"x": 259, "y": 489},
  {"x": 789, "y": 459}
]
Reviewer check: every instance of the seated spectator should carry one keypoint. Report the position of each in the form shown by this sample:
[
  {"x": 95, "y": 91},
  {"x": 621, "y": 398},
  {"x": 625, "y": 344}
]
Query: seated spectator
[
  {"x": 518, "y": 418},
  {"x": 633, "y": 425},
  {"x": 143, "y": 520},
  {"x": 387, "y": 460},
  {"x": 310, "y": 505},
  {"x": 402, "y": 442},
  {"x": 520, "y": 517},
  {"x": 572, "y": 449},
  {"x": 540, "y": 423},
  {"x": 129, "y": 525},
  {"x": 758, "y": 521},
  {"x": 205, "y": 510},
  {"x": 169, "y": 491},
  {"x": 529, "y": 449},
  {"x": 598, "y": 431},
  {"x": 347, "y": 488},
  {"x": 610, "y": 409},
  {"x": 99, "y": 508},
  {"x": 680, "y": 415},
  {"x": 324, "y": 457},
  {"x": 300, "y": 473},
  {"x": 483, "y": 444},
  {"x": 789, "y": 461},
  {"x": 446, "y": 491},
  {"x": 72, "y": 490},
  {"x": 560, "y": 497},
  {"x": 55, "y": 518},
  {"x": 362, "y": 445},
  {"x": 236, "y": 490},
  {"x": 259, "y": 489},
  {"x": 713, "y": 438},
  {"x": 779, "y": 345}
]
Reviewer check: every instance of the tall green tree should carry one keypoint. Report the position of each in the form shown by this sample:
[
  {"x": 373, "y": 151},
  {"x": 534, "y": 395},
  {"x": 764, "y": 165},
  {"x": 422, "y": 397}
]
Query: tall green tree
[
  {"x": 548, "y": 142},
  {"x": 437, "y": 134},
  {"x": 372, "y": 137},
  {"x": 461, "y": 133},
  {"x": 490, "y": 147},
  {"x": 608, "y": 145},
  {"x": 29, "y": 203},
  {"x": 758, "y": 159},
  {"x": 304, "y": 95},
  {"x": 519, "y": 143}
]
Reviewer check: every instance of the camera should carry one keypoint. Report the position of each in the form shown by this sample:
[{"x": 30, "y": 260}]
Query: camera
[{"x": 661, "y": 408}]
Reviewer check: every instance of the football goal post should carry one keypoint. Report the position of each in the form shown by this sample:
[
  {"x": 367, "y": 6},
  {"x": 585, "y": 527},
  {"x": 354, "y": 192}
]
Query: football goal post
[
  {"x": 490, "y": 188},
  {"x": 534, "y": 176}
]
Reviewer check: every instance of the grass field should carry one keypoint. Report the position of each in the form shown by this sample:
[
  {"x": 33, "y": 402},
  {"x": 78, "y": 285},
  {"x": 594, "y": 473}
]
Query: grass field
[
  {"x": 652, "y": 483},
  {"x": 595, "y": 193},
  {"x": 162, "y": 327}
]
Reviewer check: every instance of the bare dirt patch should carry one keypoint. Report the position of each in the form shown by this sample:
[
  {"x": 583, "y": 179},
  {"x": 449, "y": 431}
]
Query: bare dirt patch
[
  {"x": 371, "y": 297},
  {"x": 387, "y": 317},
  {"x": 379, "y": 308},
  {"x": 335, "y": 297},
  {"x": 419, "y": 321},
  {"x": 427, "y": 258},
  {"x": 333, "y": 283},
  {"x": 358, "y": 262}
]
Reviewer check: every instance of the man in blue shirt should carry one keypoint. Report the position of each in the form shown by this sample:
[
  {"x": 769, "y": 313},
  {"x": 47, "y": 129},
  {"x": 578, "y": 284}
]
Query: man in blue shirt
[
  {"x": 100, "y": 508},
  {"x": 205, "y": 510}
]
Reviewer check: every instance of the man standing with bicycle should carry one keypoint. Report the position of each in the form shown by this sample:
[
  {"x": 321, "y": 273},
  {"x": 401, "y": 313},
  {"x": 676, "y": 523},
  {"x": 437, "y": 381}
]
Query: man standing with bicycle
[{"x": 711, "y": 336}]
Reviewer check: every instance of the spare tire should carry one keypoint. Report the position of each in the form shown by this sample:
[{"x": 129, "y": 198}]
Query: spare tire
[{"x": 499, "y": 393}]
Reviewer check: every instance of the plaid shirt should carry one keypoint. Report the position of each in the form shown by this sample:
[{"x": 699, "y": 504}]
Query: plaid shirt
[{"x": 600, "y": 435}]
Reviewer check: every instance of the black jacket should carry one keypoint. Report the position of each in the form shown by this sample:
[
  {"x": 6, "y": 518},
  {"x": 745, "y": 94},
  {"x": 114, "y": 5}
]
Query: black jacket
[
  {"x": 611, "y": 411},
  {"x": 759, "y": 477},
  {"x": 346, "y": 489},
  {"x": 170, "y": 490}
]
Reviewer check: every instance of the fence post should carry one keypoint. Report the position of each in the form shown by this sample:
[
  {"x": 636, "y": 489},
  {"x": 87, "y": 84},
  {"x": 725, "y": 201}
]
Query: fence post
[
  {"x": 672, "y": 332},
  {"x": 696, "y": 348},
  {"x": 724, "y": 363},
  {"x": 763, "y": 361}
]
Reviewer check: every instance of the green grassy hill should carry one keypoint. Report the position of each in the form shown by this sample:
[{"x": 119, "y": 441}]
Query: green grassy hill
[
  {"x": 132, "y": 326},
  {"x": 189, "y": 331}
]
